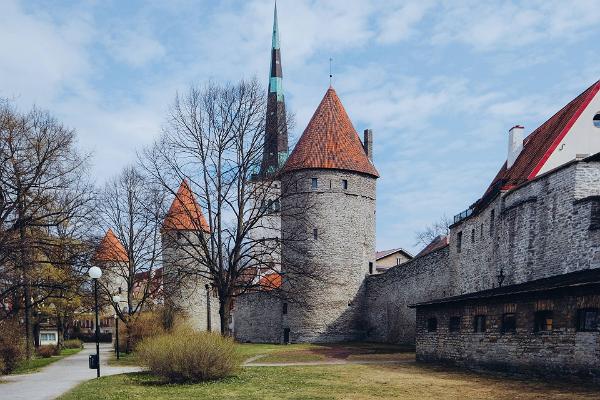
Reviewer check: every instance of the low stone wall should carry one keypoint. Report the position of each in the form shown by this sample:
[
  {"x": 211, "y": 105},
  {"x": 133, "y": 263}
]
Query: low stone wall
[
  {"x": 388, "y": 295},
  {"x": 558, "y": 352}
]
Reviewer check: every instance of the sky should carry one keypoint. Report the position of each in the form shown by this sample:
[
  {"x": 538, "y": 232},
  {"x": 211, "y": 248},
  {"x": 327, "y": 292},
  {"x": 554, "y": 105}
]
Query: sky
[{"x": 439, "y": 82}]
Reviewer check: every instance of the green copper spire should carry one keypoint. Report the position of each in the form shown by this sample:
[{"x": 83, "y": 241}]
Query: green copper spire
[{"x": 276, "y": 140}]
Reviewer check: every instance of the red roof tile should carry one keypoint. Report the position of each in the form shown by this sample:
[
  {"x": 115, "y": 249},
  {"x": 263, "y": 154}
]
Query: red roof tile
[
  {"x": 185, "y": 213},
  {"x": 330, "y": 141},
  {"x": 270, "y": 281},
  {"x": 110, "y": 249},
  {"x": 542, "y": 142}
]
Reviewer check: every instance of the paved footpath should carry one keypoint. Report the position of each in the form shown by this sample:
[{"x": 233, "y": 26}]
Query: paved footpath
[{"x": 58, "y": 377}]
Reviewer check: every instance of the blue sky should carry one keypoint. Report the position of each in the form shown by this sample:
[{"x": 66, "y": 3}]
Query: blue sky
[{"x": 439, "y": 82}]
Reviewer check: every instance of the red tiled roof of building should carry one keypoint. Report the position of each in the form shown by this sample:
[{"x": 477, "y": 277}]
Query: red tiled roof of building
[
  {"x": 185, "y": 213},
  {"x": 270, "y": 281},
  {"x": 542, "y": 142},
  {"x": 330, "y": 141},
  {"x": 110, "y": 249},
  {"x": 436, "y": 244}
]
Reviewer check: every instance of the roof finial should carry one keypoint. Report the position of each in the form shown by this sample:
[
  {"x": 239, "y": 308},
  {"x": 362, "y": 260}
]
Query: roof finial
[{"x": 330, "y": 71}]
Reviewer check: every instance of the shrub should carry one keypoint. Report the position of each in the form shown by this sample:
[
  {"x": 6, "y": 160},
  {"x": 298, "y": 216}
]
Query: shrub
[
  {"x": 146, "y": 325},
  {"x": 47, "y": 351},
  {"x": 73, "y": 344},
  {"x": 12, "y": 346},
  {"x": 186, "y": 355}
]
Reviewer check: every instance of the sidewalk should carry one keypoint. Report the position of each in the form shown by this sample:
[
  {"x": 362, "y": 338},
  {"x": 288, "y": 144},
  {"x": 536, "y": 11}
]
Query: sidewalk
[{"x": 59, "y": 377}]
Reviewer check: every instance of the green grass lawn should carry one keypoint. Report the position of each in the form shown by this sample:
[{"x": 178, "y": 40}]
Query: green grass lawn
[
  {"x": 357, "y": 382},
  {"x": 35, "y": 364},
  {"x": 125, "y": 360}
]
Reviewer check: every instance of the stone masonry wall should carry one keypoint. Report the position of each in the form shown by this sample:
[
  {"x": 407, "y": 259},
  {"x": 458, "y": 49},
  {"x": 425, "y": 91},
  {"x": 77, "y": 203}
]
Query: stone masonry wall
[
  {"x": 388, "y": 295},
  {"x": 258, "y": 318},
  {"x": 187, "y": 295},
  {"x": 538, "y": 230},
  {"x": 561, "y": 351},
  {"x": 324, "y": 275}
]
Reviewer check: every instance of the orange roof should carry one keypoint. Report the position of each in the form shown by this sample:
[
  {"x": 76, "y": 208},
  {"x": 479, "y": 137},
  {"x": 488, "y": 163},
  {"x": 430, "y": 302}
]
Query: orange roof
[
  {"x": 111, "y": 249},
  {"x": 330, "y": 141},
  {"x": 185, "y": 213},
  {"x": 270, "y": 281}
]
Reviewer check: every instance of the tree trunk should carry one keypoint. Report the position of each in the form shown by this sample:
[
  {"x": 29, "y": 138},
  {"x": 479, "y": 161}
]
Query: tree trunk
[{"x": 224, "y": 315}]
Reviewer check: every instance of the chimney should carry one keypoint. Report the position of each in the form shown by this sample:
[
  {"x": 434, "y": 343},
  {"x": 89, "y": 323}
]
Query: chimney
[
  {"x": 368, "y": 143},
  {"x": 515, "y": 144}
]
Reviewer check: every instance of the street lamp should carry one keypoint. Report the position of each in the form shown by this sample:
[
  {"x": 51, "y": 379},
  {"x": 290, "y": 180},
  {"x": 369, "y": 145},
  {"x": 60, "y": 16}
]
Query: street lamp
[
  {"x": 117, "y": 299},
  {"x": 95, "y": 273}
]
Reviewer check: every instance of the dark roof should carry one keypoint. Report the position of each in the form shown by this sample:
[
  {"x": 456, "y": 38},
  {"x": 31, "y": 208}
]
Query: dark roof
[
  {"x": 538, "y": 146},
  {"x": 436, "y": 244},
  {"x": 330, "y": 141},
  {"x": 384, "y": 253},
  {"x": 579, "y": 278}
]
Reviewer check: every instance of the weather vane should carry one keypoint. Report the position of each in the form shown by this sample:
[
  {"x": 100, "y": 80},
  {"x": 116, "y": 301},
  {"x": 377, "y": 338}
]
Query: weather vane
[{"x": 330, "y": 73}]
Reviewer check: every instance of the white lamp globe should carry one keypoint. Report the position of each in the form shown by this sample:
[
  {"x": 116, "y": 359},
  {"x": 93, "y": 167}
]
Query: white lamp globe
[
  {"x": 116, "y": 298},
  {"x": 95, "y": 272}
]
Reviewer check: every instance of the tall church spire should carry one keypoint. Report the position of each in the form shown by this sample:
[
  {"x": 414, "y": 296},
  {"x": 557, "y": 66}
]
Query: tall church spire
[{"x": 276, "y": 139}]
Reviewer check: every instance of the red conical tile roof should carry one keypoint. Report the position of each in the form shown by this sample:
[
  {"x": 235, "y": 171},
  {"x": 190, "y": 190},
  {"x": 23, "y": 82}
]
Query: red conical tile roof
[
  {"x": 330, "y": 141},
  {"x": 185, "y": 213},
  {"x": 111, "y": 249}
]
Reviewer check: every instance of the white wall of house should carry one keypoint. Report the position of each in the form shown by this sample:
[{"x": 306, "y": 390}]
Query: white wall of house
[
  {"x": 582, "y": 138},
  {"x": 48, "y": 337}
]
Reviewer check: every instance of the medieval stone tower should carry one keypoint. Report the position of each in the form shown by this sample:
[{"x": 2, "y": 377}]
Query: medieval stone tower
[
  {"x": 328, "y": 227},
  {"x": 186, "y": 290}
]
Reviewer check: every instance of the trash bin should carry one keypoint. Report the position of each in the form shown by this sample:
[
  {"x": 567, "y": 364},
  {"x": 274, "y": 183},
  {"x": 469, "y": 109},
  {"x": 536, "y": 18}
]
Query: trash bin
[{"x": 93, "y": 361}]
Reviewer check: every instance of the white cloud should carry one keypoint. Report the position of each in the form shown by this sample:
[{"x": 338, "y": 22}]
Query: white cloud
[
  {"x": 399, "y": 24},
  {"x": 42, "y": 58},
  {"x": 134, "y": 48}
]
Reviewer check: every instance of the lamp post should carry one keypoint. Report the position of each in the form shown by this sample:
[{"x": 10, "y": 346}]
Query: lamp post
[
  {"x": 117, "y": 299},
  {"x": 95, "y": 273}
]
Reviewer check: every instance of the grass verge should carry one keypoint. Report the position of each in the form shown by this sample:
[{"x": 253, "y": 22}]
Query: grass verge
[
  {"x": 35, "y": 364},
  {"x": 357, "y": 382}
]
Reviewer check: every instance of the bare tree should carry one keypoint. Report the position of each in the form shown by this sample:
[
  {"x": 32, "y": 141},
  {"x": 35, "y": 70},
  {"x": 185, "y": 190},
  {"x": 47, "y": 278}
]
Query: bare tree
[
  {"x": 42, "y": 186},
  {"x": 213, "y": 140},
  {"x": 133, "y": 208},
  {"x": 441, "y": 227}
]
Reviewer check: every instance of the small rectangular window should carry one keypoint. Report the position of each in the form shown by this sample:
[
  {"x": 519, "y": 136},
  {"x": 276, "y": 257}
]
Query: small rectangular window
[
  {"x": 315, "y": 233},
  {"x": 370, "y": 268},
  {"x": 479, "y": 324},
  {"x": 481, "y": 234},
  {"x": 587, "y": 320},
  {"x": 345, "y": 184},
  {"x": 432, "y": 325},
  {"x": 543, "y": 321},
  {"x": 459, "y": 241},
  {"x": 492, "y": 218},
  {"x": 285, "y": 307},
  {"x": 509, "y": 323},
  {"x": 473, "y": 235},
  {"x": 314, "y": 183},
  {"x": 454, "y": 324}
]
